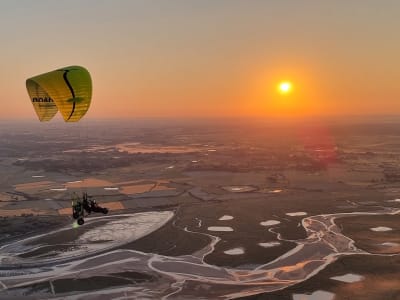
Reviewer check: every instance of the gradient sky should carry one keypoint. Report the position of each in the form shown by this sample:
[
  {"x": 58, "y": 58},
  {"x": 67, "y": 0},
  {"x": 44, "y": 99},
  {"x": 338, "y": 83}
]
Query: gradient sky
[{"x": 207, "y": 58}]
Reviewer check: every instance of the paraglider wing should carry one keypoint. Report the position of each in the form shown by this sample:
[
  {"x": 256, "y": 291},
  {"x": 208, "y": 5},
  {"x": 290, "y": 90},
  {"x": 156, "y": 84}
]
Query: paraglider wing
[
  {"x": 68, "y": 90},
  {"x": 42, "y": 103}
]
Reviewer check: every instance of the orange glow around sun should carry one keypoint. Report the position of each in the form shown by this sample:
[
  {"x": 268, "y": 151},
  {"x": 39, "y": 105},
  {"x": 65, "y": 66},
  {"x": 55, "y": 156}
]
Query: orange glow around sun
[{"x": 286, "y": 92}]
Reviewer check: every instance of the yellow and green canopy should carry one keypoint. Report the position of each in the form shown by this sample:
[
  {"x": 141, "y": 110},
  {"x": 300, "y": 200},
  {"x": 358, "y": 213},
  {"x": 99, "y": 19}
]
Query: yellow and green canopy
[{"x": 68, "y": 90}]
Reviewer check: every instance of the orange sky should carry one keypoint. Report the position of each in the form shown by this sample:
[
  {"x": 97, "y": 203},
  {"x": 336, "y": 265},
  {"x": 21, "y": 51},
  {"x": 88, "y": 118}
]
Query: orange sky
[{"x": 208, "y": 58}]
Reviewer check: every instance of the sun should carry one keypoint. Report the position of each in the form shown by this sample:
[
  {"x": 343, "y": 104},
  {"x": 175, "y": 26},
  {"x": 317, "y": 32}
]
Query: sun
[{"x": 285, "y": 87}]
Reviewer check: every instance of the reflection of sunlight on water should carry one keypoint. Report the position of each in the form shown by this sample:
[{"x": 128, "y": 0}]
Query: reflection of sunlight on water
[
  {"x": 239, "y": 188},
  {"x": 294, "y": 267},
  {"x": 236, "y": 189},
  {"x": 269, "y": 223},
  {"x": 219, "y": 228},
  {"x": 298, "y": 213},
  {"x": 318, "y": 295},
  {"x": 139, "y": 148},
  {"x": 395, "y": 200},
  {"x": 125, "y": 229},
  {"x": 225, "y": 218},
  {"x": 234, "y": 251},
  {"x": 117, "y": 230},
  {"x": 390, "y": 244},
  {"x": 348, "y": 278},
  {"x": 269, "y": 244},
  {"x": 381, "y": 228}
]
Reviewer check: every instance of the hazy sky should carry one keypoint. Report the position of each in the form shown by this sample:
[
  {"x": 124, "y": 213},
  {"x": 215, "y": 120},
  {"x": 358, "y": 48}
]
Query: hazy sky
[{"x": 207, "y": 58}]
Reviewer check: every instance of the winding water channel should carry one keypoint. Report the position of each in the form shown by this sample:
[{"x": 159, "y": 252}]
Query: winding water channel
[{"x": 182, "y": 277}]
